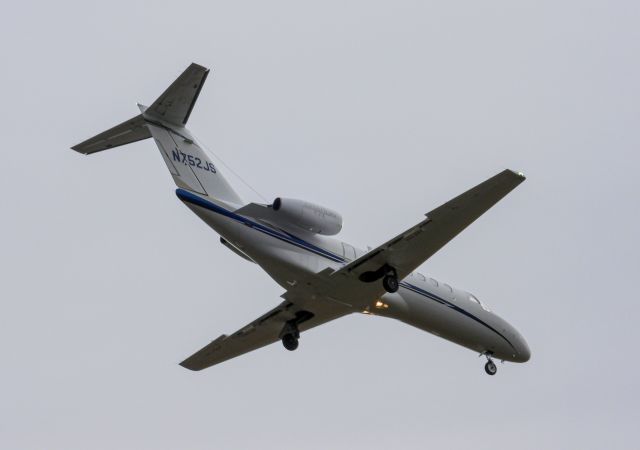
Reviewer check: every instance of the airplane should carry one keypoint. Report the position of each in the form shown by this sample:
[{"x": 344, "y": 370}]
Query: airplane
[{"x": 324, "y": 278}]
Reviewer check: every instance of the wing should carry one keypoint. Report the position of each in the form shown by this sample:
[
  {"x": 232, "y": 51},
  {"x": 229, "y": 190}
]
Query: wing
[
  {"x": 411, "y": 248},
  {"x": 264, "y": 331}
]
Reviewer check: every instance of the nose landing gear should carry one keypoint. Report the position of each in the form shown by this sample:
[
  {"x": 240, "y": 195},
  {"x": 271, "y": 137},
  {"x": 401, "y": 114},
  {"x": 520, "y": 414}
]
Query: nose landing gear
[{"x": 490, "y": 367}]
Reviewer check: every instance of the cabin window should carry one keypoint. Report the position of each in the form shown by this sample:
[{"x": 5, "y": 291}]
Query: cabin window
[
  {"x": 421, "y": 277},
  {"x": 434, "y": 282},
  {"x": 449, "y": 288},
  {"x": 348, "y": 251}
]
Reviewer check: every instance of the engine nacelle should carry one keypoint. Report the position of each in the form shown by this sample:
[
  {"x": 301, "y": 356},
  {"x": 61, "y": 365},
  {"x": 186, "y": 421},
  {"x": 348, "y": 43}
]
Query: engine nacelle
[{"x": 313, "y": 218}]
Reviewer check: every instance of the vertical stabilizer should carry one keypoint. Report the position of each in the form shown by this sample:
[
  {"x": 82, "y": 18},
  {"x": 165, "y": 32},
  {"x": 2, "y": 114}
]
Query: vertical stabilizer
[
  {"x": 189, "y": 165},
  {"x": 175, "y": 104},
  {"x": 165, "y": 121}
]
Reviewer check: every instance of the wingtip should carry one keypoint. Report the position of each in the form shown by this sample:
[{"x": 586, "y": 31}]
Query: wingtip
[
  {"x": 518, "y": 174},
  {"x": 186, "y": 365},
  {"x": 77, "y": 148},
  {"x": 195, "y": 65}
]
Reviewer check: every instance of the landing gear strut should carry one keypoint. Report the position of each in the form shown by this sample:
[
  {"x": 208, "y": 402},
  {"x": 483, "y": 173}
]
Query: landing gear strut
[{"x": 490, "y": 367}]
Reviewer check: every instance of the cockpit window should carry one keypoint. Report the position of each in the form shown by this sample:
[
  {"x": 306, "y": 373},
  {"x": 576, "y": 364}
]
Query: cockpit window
[{"x": 482, "y": 305}]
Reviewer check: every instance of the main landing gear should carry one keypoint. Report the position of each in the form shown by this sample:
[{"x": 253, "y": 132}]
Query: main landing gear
[
  {"x": 490, "y": 367},
  {"x": 390, "y": 281},
  {"x": 290, "y": 333},
  {"x": 388, "y": 275},
  {"x": 290, "y": 341}
]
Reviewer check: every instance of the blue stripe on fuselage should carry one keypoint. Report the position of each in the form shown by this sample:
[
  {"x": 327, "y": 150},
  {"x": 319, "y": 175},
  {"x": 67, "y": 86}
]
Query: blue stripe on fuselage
[
  {"x": 442, "y": 301},
  {"x": 194, "y": 199},
  {"x": 190, "y": 197}
]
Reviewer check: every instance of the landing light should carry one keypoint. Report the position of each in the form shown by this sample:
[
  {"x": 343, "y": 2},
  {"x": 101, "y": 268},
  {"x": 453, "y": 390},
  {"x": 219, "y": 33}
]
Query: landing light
[{"x": 381, "y": 305}]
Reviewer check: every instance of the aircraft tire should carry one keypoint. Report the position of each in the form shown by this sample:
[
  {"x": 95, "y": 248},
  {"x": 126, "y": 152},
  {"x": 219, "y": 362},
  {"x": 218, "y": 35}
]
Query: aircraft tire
[
  {"x": 390, "y": 283},
  {"x": 290, "y": 342},
  {"x": 490, "y": 368}
]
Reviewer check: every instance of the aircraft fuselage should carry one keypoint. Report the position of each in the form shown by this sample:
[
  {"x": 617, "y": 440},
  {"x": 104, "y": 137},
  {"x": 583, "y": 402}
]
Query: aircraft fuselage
[{"x": 423, "y": 302}]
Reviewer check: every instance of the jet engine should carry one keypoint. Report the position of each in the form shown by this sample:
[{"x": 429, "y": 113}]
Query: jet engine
[{"x": 313, "y": 218}]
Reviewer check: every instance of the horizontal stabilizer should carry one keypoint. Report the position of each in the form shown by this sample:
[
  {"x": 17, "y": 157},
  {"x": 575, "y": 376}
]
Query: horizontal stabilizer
[
  {"x": 190, "y": 166},
  {"x": 132, "y": 130}
]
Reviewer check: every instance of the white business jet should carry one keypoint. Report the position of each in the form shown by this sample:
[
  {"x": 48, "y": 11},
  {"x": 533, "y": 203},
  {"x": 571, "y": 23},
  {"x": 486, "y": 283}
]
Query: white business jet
[{"x": 324, "y": 278}]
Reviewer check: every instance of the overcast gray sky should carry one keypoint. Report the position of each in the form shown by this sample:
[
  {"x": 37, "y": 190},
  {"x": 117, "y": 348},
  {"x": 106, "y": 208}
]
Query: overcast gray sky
[{"x": 380, "y": 110}]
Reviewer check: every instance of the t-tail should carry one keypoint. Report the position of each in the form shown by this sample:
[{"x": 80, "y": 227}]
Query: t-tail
[{"x": 165, "y": 121}]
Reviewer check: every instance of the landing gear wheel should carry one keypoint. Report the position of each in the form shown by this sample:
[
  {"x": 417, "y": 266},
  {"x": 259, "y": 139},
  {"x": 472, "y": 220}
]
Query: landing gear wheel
[
  {"x": 390, "y": 283},
  {"x": 490, "y": 368},
  {"x": 290, "y": 342}
]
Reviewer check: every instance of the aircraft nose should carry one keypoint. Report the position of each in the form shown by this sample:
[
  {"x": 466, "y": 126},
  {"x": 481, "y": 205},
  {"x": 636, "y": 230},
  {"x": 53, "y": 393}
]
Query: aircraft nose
[{"x": 523, "y": 352}]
